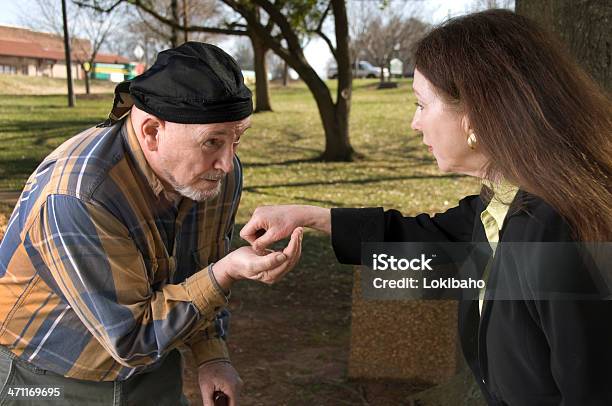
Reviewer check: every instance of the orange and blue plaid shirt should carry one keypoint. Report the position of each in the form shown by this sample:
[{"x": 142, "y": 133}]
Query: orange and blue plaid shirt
[{"x": 101, "y": 274}]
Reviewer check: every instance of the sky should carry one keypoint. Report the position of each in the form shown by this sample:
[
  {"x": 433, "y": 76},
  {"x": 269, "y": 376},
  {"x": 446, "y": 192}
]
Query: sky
[{"x": 317, "y": 53}]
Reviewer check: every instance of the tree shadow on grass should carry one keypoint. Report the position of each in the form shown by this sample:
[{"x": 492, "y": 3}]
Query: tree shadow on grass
[
  {"x": 18, "y": 168},
  {"x": 280, "y": 163},
  {"x": 69, "y": 127},
  {"x": 362, "y": 181}
]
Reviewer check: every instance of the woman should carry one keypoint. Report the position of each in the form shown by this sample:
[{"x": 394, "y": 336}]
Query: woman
[{"x": 500, "y": 100}]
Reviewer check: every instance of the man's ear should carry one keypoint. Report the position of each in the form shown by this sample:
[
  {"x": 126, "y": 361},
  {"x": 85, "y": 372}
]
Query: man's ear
[{"x": 151, "y": 130}]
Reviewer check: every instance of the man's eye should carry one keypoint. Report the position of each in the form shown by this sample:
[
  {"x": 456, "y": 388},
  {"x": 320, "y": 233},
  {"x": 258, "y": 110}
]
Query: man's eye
[{"x": 212, "y": 143}]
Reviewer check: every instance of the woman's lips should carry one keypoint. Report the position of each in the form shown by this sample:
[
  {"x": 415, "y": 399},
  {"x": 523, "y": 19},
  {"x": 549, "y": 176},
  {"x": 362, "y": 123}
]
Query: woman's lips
[{"x": 430, "y": 148}]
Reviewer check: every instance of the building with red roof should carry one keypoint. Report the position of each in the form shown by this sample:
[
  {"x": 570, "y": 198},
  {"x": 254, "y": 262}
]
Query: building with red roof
[{"x": 32, "y": 53}]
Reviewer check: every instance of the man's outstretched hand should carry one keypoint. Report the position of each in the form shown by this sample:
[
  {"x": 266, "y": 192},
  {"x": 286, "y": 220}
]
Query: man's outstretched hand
[{"x": 267, "y": 267}]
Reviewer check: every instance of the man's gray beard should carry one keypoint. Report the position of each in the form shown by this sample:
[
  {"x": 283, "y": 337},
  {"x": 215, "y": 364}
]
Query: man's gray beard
[
  {"x": 196, "y": 194},
  {"x": 191, "y": 192}
]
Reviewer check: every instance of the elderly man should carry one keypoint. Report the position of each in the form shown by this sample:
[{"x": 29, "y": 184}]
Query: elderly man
[{"x": 107, "y": 261}]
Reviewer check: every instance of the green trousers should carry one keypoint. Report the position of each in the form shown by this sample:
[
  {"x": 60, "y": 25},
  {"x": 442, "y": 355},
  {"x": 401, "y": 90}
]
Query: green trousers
[{"x": 24, "y": 384}]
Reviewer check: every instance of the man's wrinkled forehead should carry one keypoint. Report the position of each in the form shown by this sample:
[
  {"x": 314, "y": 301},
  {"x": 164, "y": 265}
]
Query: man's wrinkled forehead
[{"x": 232, "y": 128}]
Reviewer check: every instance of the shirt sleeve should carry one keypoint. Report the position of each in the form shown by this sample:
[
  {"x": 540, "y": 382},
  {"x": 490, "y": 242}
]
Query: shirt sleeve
[
  {"x": 95, "y": 267},
  {"x": 351, "y": 227},
  {"x": 208, "y": 345}
]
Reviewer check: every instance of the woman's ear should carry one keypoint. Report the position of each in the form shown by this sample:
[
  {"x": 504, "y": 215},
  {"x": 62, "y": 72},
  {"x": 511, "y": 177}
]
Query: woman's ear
[{"x": 465, "y": 124}]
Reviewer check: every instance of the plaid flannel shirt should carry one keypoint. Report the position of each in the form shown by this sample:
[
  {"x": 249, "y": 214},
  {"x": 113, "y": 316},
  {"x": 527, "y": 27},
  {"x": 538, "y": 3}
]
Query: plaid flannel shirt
[{"x": 100, "y": 274}]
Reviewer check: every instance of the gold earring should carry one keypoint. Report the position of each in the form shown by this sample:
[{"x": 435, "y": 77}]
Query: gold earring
[{"x": 471, "y": 140}]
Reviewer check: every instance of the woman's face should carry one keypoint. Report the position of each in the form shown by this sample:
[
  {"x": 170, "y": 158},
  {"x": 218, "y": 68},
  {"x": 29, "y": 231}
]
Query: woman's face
[{"x": 445, "y": 131}]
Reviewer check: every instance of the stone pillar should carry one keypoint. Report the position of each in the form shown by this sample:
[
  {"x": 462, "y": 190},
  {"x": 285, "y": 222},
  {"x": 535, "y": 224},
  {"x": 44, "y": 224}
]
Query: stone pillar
[{"x": 414, "y": 340}]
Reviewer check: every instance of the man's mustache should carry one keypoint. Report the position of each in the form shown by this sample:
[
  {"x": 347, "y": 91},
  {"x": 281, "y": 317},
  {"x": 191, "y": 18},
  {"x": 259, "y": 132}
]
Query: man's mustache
[{"x": 214, "y": 176}]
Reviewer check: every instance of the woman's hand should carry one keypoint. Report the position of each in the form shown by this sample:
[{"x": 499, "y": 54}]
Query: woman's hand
[{"x": 273, "y": 223}]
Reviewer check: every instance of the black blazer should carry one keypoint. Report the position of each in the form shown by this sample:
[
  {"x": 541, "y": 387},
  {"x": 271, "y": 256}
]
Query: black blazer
[{"x": 522, "y": 352}]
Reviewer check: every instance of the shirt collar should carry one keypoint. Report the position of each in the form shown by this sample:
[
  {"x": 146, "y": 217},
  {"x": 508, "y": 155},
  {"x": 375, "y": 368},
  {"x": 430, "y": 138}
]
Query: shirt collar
[{"x": 498, "y": 207}]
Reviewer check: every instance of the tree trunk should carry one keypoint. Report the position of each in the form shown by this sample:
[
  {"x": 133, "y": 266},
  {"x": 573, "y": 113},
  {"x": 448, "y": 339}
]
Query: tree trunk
[
  {"x": 334, "y": 117},
  {"x": 338, "y": 145},
  {"x": 585, "y": 26},
  {"x": 68, "y": 57},
  {"x": 262, "y": 94},
  {"x": 175, "y": 19},
  {"x": 185, "y": 20},
  {"x": 285, "y": 74},
  {"x": 87, "y": 91}
]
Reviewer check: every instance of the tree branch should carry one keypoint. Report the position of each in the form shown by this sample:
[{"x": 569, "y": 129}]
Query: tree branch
[
  {"x": 293, "y": 42},
  {"x": 328, "y": 42},
  {"x": 319, "y": 31},
  {"x": 96, "y": 7},
  {"x": 323, "y": 17},
  {"x": 164, "y": 20},
  {"x": 273, "y": 42}
]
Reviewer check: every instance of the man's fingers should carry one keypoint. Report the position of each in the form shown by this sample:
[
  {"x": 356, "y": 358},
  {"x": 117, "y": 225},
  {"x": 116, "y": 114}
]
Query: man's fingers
[
  {"x": 233, "y": 393},
  {"x": 293, "y": 252},
  {"x": 207, "y": 395},
  {"x": 269, "y": 261}
]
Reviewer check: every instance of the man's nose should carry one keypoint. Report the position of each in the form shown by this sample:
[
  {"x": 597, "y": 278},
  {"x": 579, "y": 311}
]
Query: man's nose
[{"x": 225, "y": 162}]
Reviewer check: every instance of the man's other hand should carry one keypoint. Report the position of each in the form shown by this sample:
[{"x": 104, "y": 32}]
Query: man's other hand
[{"x": 219, "y": 376}]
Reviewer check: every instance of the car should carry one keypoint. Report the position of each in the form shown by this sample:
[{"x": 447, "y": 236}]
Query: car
[{"x": 364, "y": 70}]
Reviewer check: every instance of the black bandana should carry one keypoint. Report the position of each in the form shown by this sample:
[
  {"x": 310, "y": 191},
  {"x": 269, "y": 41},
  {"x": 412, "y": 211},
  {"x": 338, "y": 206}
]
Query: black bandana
[{"x": 195, "y": 83}]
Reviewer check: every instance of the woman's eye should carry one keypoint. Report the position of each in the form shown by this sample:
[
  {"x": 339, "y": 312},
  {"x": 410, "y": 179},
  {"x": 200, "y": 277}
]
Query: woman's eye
[{"x": 419, "y": 106}]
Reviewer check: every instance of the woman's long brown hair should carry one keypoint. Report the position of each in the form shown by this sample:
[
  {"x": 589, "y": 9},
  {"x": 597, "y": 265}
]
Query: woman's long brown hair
[{"x": 540, "y": 118}]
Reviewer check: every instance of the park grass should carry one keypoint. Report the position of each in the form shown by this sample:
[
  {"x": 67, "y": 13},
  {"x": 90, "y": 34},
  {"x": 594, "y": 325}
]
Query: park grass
[
  {"x": 279, "y": 152},
  {"x": 38, "y": 85},
  {"x": 289, "y": 341}
]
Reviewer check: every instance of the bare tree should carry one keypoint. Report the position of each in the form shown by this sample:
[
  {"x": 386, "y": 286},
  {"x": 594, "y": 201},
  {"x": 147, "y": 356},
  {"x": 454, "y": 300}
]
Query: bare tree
[
  {"x": 380, "y": 40},
  {"x": 479, "y": 5},
  {"x": 181, "y": 14},
  {"x": 243, "y": 54},
  {"x": 360, "y": 15},
  {"x": 384, "y": 35},
  {"x": 88, "y": 33},
  {"x": 413, "y": 30},
  {"x": 96, "y": 28}
]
